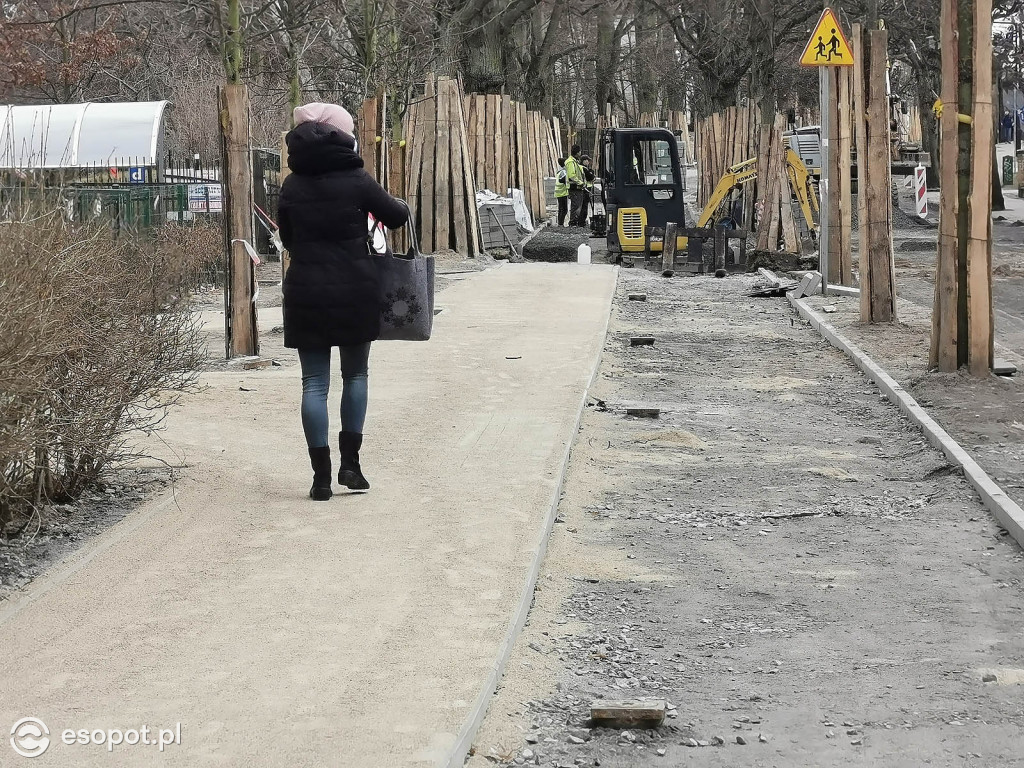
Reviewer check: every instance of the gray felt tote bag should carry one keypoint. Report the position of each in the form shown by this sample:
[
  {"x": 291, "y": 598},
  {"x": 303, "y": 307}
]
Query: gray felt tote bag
[{"x": 407, "y": 292}]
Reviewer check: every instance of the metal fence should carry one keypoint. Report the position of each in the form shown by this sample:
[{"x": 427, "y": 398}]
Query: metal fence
[{"x": 181, "y": 189}]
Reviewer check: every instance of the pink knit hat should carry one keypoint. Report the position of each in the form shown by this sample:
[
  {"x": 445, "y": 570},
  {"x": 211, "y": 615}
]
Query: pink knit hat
[{"x": 329, "y": 114}]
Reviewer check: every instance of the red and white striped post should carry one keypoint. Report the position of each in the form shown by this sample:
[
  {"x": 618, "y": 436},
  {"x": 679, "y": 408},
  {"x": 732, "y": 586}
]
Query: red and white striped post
[{"x": 921, "y": 191}]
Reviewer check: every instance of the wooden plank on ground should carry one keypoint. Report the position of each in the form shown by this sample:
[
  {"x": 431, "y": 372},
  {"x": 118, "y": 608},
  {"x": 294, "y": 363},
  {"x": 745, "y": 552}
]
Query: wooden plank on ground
[{"x": 630, "y": 713}]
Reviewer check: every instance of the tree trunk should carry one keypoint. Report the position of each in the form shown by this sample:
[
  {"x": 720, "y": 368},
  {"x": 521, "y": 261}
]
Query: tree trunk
[{"x": 606, "y": 56}]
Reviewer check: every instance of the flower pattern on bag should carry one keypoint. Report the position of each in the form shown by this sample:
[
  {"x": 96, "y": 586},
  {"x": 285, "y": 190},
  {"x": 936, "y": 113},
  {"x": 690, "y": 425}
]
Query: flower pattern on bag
[{"x": 400, "y": 307}]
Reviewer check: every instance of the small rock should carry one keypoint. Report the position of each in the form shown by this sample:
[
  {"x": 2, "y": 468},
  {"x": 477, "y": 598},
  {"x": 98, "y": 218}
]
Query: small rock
[
  {"x": 691, "y": 743},
  {"x": 741, "y": 741},
  {"x": 717, "y": 741},
  {"x": 527, "y": 754},
  {"x": 829, "y": 309},
  {"x": 531, "y": 739},
  {"x": 857, "y": 742},
  {"x": 576, "y": 740},
  {"x": 830, "y": 734},
  {"x": 627, "y": 736},
  {"x": 661, "y": 752},
  {"x": 988, "y": 677},
  {"x": 762, "y": 738}
]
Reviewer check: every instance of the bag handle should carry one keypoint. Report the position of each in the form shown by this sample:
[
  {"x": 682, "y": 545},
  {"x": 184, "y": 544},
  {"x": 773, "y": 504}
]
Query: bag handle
[{"x": 410, "y": 228}]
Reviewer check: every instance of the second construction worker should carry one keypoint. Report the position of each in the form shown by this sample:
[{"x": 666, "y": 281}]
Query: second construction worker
[
  {"x": 588, "y": 179},
  {"x": 577, "y": 188},
  {"x": 562, "y": 192}
]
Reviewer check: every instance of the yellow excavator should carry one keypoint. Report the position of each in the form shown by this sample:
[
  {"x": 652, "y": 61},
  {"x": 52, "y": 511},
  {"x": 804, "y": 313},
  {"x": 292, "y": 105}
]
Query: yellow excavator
[{"x": 717, "y": 211}]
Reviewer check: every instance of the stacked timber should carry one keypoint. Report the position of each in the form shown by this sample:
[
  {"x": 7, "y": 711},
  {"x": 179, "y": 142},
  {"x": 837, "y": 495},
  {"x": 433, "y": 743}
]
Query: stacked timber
[
  {"x": 440, "y": 186},
  {"x": 383, "y": 159},
  {"x": 371, "y": 117},
  {"x": 776, "y": 226},
  {"x": 723, "y": 140},
  {"x": 679, "y": 125},
  {"x": 733, "y": 136},
  {"x": 511, "y": 147}
]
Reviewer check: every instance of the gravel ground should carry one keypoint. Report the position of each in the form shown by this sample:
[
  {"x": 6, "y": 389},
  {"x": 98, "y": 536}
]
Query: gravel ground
[{"x": 780, "y": 557}]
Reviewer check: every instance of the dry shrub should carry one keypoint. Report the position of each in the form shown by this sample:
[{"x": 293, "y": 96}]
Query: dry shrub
[
  {"x": 97, "y": 339},
  {"x": 197, "y": 250}
]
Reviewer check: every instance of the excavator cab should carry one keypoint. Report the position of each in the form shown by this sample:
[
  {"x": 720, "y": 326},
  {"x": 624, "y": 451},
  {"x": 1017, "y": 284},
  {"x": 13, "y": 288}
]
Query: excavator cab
[{"x": 641, "y": 187}]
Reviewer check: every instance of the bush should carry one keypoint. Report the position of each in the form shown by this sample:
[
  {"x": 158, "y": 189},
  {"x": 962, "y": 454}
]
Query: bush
[{"x": 97, "y": 339}]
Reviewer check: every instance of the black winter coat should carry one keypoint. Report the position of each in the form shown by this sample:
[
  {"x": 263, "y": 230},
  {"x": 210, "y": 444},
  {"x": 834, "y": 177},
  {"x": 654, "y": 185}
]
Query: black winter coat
[{"x": 332, "y": 287}]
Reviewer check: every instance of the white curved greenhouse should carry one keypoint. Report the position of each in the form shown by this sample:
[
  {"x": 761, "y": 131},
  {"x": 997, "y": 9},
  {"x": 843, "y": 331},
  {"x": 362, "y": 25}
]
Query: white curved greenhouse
[{"x": 54, "y": 136}]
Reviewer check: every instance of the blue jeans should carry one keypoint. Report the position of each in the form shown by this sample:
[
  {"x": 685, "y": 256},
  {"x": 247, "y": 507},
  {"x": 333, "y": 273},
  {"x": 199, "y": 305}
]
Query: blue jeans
[{"x": 316, "y": 383}]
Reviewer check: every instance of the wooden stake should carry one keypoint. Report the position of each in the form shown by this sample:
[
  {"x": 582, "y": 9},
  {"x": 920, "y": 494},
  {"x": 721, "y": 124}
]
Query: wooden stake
[
  {"x": 442, "y": 169},
  {"x": 844, "y": 183},
  {"x": 470, "y": 214},
  {"x": 873, "y": 173},
  {"x": 860, "y": 133},
  {"x": 979, "y": 243},
  {"x": 668, "y": 251},
  {"x": 241, "y": 334}
]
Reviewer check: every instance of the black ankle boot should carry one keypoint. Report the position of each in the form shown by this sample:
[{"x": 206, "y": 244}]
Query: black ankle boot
[
  {"x": 320, "y": 458},
  {"x": 349, "y": 473}
]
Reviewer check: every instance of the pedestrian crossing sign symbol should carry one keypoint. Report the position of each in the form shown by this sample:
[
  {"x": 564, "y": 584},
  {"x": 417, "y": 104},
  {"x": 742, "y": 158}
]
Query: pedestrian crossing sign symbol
[{"x": 828, "y": 46}]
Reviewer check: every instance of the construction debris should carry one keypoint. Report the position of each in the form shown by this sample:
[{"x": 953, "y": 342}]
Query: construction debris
[
  {"x": 644, "y": 412},
  {"x": 512, "y": 147},
  {"x": 630, "y": 713}
]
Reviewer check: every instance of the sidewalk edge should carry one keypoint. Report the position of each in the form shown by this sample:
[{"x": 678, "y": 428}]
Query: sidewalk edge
[
  {"x": 1006, "y": 510},
  {"x": 459, "y": 752},
  {"x": 57, "y": 573}
]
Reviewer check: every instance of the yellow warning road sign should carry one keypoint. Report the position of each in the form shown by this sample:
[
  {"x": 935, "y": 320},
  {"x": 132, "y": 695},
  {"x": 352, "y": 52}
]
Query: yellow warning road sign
[{"x": 828, "y": 46}]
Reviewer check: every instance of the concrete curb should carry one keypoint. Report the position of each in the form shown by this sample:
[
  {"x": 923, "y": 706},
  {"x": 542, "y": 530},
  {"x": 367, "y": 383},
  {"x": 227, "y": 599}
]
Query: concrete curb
[
  {"x": 1006, "y": 510},
  {"x": 460, "y": 750}
]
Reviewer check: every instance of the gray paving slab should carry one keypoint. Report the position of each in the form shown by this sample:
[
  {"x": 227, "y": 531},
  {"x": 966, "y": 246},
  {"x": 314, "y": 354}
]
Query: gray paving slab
[{"x": 283, "y": 632}]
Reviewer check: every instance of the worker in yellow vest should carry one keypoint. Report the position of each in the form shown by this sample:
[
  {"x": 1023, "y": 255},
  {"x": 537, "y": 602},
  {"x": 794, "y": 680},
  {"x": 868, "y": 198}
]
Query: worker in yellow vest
[
  {"x": 562, "y": 192},
  {"x": 577, "y": 188}
]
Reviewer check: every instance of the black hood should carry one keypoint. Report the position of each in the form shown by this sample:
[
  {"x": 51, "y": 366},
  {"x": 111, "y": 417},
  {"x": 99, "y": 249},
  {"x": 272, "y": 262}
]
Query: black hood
[{"x": 316, "y": 148}]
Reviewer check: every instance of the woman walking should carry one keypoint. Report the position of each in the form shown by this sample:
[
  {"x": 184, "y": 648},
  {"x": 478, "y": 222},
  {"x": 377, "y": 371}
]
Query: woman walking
[{"x": 332, "y": 287}]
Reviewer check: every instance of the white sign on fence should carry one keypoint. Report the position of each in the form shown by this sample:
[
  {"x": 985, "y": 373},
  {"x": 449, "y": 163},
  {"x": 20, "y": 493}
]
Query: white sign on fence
[{"x": 205, "y": 198}]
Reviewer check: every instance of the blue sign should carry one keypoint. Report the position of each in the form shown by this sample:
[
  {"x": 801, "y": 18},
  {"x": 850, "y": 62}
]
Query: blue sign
[{"x": 137, "y": 175}]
